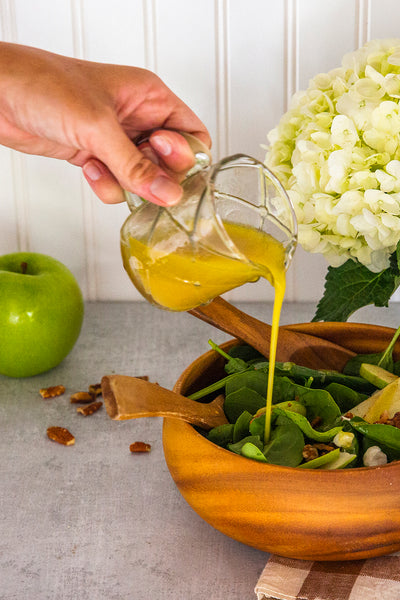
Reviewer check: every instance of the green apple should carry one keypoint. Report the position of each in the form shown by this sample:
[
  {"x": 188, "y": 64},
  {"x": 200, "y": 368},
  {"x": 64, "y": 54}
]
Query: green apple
[{"x": 41, "y": 313}]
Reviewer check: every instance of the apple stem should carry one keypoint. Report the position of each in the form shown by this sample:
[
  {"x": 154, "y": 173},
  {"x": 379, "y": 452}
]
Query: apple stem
[{"x": 24, "y": 267}]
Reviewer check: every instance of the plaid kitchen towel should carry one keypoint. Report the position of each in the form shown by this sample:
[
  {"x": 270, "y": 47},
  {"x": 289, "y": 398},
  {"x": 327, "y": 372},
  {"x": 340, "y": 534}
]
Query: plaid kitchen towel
[{"x": 291, "y": 579}]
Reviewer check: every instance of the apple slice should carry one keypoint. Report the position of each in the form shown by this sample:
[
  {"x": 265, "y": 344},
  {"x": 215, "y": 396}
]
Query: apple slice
[
  {"x": 343, "y": 460},
  {"x": 376, "y": 375},
  {"x": 384, "y": 400}
]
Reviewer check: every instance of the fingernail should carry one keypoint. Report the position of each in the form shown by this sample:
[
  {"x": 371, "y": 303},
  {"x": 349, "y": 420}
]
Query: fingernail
[
  {"x": 165, "y": 190},
  {"x": 92, "y": 171},
  {"x": 161, "y": 145}
]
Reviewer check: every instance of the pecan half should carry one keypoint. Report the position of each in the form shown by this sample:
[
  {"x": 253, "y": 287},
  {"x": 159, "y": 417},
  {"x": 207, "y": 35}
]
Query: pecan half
[
  {"x": 60, "y": 435},
  {"x": 82, "y": 398},
  {"x": 140, "y": 447},
  {"x": 52, "y": 391},
  {"x": 89, "y": 409}
]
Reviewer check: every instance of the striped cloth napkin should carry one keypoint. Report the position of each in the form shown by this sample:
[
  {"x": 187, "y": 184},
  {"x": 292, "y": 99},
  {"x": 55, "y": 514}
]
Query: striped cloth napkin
[{"x": 291, "y": 579}]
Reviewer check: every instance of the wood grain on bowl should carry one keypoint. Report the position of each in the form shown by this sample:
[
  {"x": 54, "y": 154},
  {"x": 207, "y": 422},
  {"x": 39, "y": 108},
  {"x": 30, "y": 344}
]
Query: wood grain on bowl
[
  {"x": 307, "y": 514},
  {"x": 357, "y": 337}
]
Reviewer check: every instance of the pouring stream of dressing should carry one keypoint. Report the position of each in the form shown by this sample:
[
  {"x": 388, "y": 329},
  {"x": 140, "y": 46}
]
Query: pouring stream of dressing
[{"x": 187, "y": 277}]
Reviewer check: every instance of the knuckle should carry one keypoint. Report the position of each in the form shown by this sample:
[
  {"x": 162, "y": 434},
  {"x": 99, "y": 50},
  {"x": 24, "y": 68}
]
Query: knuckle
[{"x": 141, "y": 171}]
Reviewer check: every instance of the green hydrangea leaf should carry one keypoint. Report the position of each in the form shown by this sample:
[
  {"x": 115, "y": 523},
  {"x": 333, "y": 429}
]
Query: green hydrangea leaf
[{"x": 352, "y": 286}]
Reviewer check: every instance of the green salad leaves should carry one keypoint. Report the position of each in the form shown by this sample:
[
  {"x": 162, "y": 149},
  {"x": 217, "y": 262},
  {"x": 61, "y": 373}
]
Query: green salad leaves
[{"x": 312, "y": 426}]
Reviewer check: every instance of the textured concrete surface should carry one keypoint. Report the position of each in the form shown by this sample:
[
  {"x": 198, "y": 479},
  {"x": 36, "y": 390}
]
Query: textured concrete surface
[{"x": 92, "y": 520}]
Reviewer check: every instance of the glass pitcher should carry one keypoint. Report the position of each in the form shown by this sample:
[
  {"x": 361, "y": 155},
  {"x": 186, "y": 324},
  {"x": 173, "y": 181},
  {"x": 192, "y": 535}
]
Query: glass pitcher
[{"x": 234, "y": 220}]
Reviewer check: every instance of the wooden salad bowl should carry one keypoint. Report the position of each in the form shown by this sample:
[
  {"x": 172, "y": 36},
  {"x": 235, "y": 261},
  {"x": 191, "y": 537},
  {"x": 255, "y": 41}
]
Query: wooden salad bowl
[{"x": 306, "y": 514}]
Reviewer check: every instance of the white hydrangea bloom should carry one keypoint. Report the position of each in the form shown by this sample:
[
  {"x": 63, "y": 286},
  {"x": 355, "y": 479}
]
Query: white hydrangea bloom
[{"x": 337, "y": 152}]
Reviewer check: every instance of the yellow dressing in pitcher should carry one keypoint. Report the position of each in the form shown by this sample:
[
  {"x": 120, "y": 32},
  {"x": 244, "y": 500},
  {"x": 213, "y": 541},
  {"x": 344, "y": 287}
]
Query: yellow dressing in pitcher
[{"x": 185, "y": 278}]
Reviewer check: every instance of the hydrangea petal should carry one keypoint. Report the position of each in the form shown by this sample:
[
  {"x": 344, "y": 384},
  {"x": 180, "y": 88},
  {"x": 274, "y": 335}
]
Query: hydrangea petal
[{"x": 337, "y": 151}]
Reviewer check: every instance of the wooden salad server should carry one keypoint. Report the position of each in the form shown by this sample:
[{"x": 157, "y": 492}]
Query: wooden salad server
[
  {"x": 130, "y": 398},
  {"x": 362, "y": 338},
  {"x": 315, "y": 352}
]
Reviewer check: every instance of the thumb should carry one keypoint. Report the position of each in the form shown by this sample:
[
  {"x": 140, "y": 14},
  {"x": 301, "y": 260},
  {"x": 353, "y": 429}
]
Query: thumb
[{"x": 134, "y": 171}]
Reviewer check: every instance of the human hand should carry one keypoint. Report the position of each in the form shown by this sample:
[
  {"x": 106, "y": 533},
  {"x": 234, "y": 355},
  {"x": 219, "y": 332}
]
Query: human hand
[{"x": 88, "y": 114}]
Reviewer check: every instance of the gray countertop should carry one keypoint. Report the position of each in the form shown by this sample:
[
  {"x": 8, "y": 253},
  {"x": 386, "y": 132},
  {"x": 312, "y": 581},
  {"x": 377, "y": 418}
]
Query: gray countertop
[{"x": 94, "y": 521}]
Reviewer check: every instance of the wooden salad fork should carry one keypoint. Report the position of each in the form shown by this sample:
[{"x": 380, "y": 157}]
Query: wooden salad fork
[
  {"x": 315, "y": 352},
  {"x": 130, "y": 398}
]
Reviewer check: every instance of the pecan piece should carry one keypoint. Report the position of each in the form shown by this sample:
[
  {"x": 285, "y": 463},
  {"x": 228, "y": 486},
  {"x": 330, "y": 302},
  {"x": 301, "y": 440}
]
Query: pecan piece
[
  {"x": 315, "y": 422},
  {"x": 309, "y": 452},
  {"x": 140, "y": 447},
  {"x": 89, "y": 409},
  {"x": 324, "y": 448},
  {"x": 52, "y": 391},
  {"x": 384, "y": 419},
  {"x": 95, "y": 389},
  {"x": 60, "y": 435},
  {"x": 81, "y": 397},
  {"x": 396, "y": 420}
]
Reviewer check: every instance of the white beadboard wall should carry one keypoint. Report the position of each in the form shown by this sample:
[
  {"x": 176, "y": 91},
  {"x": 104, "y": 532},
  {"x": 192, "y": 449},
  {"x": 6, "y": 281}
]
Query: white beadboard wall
[{"x": 235, "y": 62}]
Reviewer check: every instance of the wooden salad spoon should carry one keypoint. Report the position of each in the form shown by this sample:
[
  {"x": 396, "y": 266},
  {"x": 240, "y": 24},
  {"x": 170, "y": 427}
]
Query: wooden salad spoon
[
  {"x": 130, "y": 398},
  {"x": 314, "y": 352},
  {"x": 361, "y": 338}
]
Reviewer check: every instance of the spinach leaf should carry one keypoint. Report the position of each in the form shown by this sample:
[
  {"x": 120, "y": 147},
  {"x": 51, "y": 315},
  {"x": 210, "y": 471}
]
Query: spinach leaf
[
  {"x": 254, "y": 380},
  {"x": 382, "y": 434},
  {"x": 246, "y": 353},
  {"x": 305, "y": 426},
  {"x": 292, "y": 406},
  {"x": 234, "y": 365},
  {"x": 253, "y": 439},
  {"x": 344, "y": 396},
  {"x": 242, "y": 399},
  {"x": 249, "y": 450},
  {"x": 352, "y": 367},
  {"x": 286, "y": 443},
  {"x": 241, "y": 427},
  {"x": 319, "y": 403},
  {"x": 390, "y": 452},
  {"x": 221, "y": 435},
  {"x": 320, "y": 406},
  {"x": 382, "y": 359},
  {"x": 257, "y": 426},
  {"x": 284, "y": 390},
  {"x": 396, "y": 368},
  {"x": 319, "y": 377},
  {"x": 230, "y": 383},
  {"x": 356, "y": 383}
]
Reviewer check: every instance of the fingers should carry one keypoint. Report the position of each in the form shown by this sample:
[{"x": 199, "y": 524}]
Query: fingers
[
  {"x": 173, "y": 150},
  {"x": 134, "y": 171},
  {"x": 151, "y": 171},
  {"x": 107, "y": 188},
  {"x": 103, "y": 182}
]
